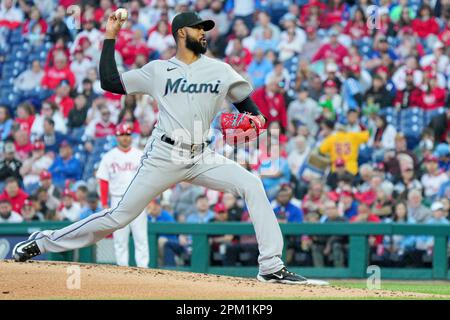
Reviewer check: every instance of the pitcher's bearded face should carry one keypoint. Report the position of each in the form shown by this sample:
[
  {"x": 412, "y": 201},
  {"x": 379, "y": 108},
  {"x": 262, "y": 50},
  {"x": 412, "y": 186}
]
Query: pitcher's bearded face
[{"x": 196, "y": 40}]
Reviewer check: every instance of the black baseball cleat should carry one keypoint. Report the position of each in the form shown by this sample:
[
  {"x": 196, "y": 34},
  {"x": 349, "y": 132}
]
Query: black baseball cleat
[
  {"x": 26, "y": 250},
  {"x": 287, "y": 277},
  {"x": 282, "y": 276}
]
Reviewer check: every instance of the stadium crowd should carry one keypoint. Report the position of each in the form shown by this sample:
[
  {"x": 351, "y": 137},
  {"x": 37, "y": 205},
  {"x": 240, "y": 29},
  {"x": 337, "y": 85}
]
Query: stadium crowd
[{"x": 356, "y": 97}]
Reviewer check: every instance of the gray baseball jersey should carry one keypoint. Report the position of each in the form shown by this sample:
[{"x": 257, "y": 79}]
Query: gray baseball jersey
[
  {"x": 187, "y": 94},
  {"x": 189, "y": 97}
]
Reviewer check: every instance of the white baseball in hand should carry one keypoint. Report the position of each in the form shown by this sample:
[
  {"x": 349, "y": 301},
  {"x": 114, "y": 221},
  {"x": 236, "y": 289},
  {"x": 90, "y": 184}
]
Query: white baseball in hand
[{"x": 123, "y": 14}]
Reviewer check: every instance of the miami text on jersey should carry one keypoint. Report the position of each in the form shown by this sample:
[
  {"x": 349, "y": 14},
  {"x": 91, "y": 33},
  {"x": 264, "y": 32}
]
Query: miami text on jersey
[{"x": 182, "y": 85}]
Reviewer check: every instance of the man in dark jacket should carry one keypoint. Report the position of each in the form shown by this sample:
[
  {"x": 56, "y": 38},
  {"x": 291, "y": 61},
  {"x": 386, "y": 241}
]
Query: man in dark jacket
[
  {"x": 10, "y": 166},
  {"x": 440, "y": 125}
]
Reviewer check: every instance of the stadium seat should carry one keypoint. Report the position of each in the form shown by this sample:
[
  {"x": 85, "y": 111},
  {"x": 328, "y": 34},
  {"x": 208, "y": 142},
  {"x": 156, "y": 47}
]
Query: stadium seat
[{"x": 430, "y": 114}]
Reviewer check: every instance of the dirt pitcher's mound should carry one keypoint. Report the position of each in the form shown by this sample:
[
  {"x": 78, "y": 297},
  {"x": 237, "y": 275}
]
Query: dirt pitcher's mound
[{"x": 57, "y": 280}]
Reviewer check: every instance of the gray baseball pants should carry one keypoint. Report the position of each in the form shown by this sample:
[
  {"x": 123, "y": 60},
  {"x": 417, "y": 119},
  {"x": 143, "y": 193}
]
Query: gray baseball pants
[{"x": 162, "y": 166}]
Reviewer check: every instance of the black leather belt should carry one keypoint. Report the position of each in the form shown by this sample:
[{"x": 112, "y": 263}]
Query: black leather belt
[{"x": 190, "y": 147}]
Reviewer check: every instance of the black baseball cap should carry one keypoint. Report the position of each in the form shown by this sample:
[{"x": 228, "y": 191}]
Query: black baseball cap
[{"x": 190, "y": 19}]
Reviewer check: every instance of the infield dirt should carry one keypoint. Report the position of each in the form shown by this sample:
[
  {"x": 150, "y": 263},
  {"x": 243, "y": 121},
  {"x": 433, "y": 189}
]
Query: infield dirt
[{"x": 49, "y": 280}]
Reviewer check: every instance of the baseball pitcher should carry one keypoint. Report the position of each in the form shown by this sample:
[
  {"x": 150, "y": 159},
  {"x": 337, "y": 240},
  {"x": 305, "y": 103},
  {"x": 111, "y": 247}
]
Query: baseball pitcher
[{"x": 190, "y": 89}]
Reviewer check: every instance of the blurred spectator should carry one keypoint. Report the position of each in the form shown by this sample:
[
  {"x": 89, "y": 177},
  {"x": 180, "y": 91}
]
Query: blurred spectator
[
  {"x": 103, "y": 127},
  {"x": 353, "y": 121},
  {"x": 284, "y": 209},
  {"x": 378, "y": 95},
  {"x": 87, "y": 89},
  {"x": 202, "y": 214},
  {"x": 331, "y": 101},
  {"x": 81, "y": 194},
  {"x": 365, "y": 215},
  {"x": 417, "y": 212},
  {"x": 25, "y": 116},
  {"x": 215, "y": 12},
  {"x": 219, "y": 243},
  {"x": 183, "y": 199},
  {"x": 136, "y": 46},
  {"x": 398, "y": 247},
  {"x": 381, "y": 49},
  {"x": 11, "y": 16},
  {"x": 383, "y": 138},
  {"x": 34, "y": 165},
  {"x": 298, "y": 155},
  {"x": 235, "y": 211},
  {"x": 274, "y": 171},
  {"x": 332, "y": 50},
  {"x": 438, "y": 216},
  {"x": 14, "y": 194},
  {"x": 49, "y": 109},
  {"x": 30, "y": 78},
  {"x": 62, "y": 98},
  {"x": 156, "y": 214},
  {"x": 59, "y": 72},
  {"x": 216, "y": 43},
  {"x": 10, "y": 166},
  {"x": 440, "y": 125},
  {"x": 80, "y": 65},
  {"x": 29, "y": 213},
  {"x": 6, "y": 123},
  {"x": 406, "y": 183},
  {"x": 70, "y": 209},
  {"x": 51, "y": 138},
  {"x": 401, "y": 157},
  {"x": 382, "y": 207},
  {"x": 433, "y": 178},
  {"x": 35, "y": 28},
  {"x": 59, "y": 49},
  {"x": 329, "y": 248},
  {"x": 344, "y": 145},
  {"x": 263, "y": 23},
  {"x": 45, "y": 181},
  {"x": 7, "y": 215},
  {"x": 341, "y": 174},
  {"x": 357, "y": 26},
  {"x": 90, "y": 33},
  {"x": 259, "y": 68},
  {"x": 397, "y": 11},
  {"x": 425, "y": 24},
  {"x": 160, "y": 39},
  {"x": 312, "y": 44},
  {"x": 291, "y": 44},
  {"x": 437, "y": 61},
  {"x": 65, "y": 167},
  {"x": 410, "y": 96},
  {"x": 347, "y": 205},
  {"x": 236, "y": 48},
  {"x": 93, "y": 205},
  {"x": 22, "y": 144},
  {"x": 315, "y": 198},
  {"x": 352, "y": 92},
  {"x": 48, "y": 204},
  {"x": 305, "y": 110},
  {"x": 332, "y": 73},
  {"x": 433, "y": 96},
  {"x": 271, "y": 102},
  {"x": 77, "y": 116},
  {"x": 58, "y": 27}
]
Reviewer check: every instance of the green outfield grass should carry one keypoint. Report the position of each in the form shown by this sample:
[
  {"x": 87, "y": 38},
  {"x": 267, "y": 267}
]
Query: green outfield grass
[{"x": 428, "y": 287}]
